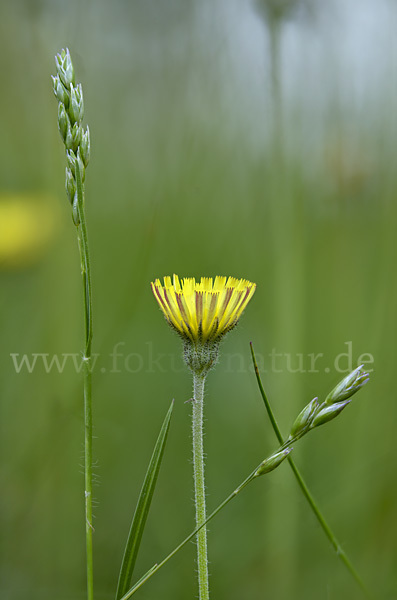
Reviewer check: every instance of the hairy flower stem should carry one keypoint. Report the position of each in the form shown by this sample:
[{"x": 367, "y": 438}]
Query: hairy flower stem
[
  {"x": 86, "y": 275},
  {"x": 199, "y": 484}
]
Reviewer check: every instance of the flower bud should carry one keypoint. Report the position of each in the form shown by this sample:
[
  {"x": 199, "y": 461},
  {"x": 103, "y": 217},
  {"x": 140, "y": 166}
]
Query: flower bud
[
  {"x": 64, "y": 67},
  {"x": 70, "y": 185},
  {"x": 60, "y": 91},
  {"x": 76, "y": 137},
  {"x": 304, "y": 418},
  {"x": 328, "y": 413},
  {"x": 75, "y": 211},
  {"x": 71, "y": 160},
  {"x": 69, "y": 140},
  {"x": 81, "y": 166},
  {"x": 85, "y": 147},
  {"x": 76, "y": 107},
  {"x": 348, "y": 386},
  {"x": 272, "y": 462},
  {"x": 63, "y": 122}
]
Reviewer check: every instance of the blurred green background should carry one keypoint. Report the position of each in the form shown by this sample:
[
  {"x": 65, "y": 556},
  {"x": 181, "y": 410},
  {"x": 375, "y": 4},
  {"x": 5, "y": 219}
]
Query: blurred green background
[{"x": 254, "y": 139}]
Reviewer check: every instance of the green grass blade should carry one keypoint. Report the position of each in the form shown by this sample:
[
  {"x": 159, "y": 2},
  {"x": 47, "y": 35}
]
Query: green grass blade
[{"x": 142, "y": 510}]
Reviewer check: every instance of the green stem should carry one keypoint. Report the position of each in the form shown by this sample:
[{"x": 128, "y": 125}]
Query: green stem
[
  {"x": 326, "y": 528},
  {"x": 86, "y": 275},
  {"x": 156, "y": 567},
  {"x": 199, "y": 484}
]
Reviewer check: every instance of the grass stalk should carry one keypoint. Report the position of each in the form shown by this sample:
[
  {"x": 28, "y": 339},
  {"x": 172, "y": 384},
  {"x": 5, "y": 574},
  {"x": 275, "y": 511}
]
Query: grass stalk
[
  {"x": 87, "y": 374},
  {"x": 306, "y": 492},
  {"x": 77, "y": 146}
]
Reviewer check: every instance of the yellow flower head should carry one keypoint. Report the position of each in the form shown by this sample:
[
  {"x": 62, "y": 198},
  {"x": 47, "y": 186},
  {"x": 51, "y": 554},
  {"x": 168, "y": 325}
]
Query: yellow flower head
[{"x": 205, "y": 311}]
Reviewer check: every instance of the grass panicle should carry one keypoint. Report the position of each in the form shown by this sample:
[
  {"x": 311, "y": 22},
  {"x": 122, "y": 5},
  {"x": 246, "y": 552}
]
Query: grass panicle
[{"x": 77, "y": 147}]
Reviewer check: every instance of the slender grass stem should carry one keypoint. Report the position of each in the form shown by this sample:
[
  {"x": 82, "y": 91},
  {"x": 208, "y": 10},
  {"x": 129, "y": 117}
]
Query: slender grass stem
[
  {"x": 326, "y": 528},
  {"x": 87, "y": 371},
  {"x": 199, "y": 484},
  {"x": 158, "y": 566},
  {"x": 77, "y": 146}
]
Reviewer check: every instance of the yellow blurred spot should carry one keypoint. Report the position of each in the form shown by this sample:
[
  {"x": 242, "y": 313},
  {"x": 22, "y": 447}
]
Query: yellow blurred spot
[{"x": 27, "y": 226}]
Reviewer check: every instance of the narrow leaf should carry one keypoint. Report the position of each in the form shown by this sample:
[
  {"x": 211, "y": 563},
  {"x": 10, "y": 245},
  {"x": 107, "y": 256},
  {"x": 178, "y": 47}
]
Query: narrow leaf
[{"x": 142, "y": 510}]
